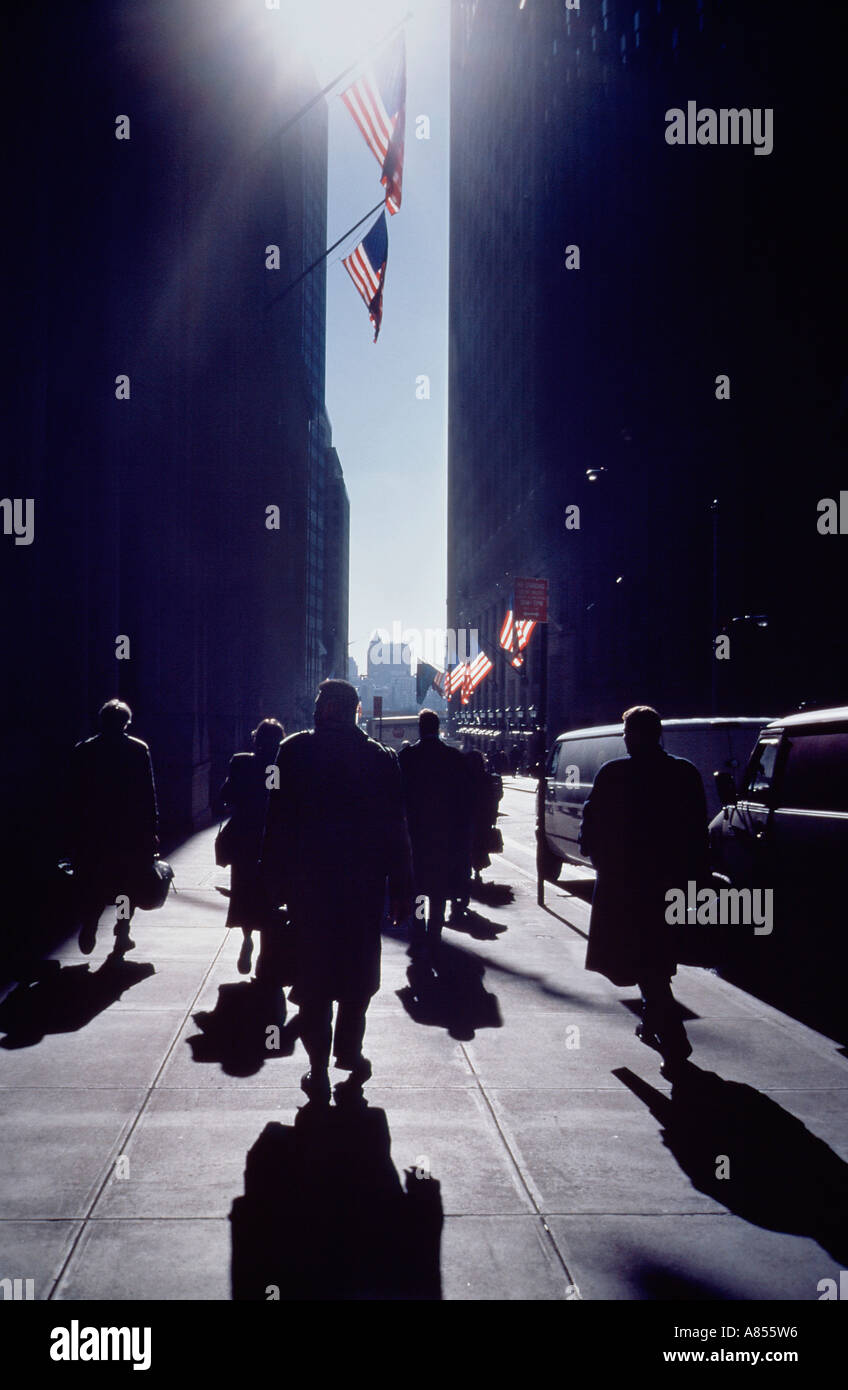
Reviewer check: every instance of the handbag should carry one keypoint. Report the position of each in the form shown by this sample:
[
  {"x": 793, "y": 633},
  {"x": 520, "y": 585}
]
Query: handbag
[
  {"x": 278, "y": 952},
  {"x": 153, "y": 884},
  {"x": 225, "y": 844}
]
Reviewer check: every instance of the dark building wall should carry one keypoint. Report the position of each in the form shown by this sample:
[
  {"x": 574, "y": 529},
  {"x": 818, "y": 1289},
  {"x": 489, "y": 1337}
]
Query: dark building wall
[
  {"x": 690, "y": 267},
  {"x": 147, "y": 257}
]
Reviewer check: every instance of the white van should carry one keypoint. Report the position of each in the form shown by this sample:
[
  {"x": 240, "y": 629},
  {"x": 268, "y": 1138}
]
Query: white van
[{"x": 713, "y": 745}]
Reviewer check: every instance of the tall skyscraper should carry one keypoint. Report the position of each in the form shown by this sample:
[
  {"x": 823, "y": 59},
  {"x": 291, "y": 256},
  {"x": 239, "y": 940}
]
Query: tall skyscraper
[
  {"x": 190, "y": 543},
  {"x": 633, "y": 335}
]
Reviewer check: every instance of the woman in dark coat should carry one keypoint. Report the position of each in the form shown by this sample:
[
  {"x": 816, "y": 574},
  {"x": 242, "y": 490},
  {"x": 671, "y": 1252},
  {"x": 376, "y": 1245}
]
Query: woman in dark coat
[
  {"x": 245, "y": 796},
  {"x": 486, "y": 793}
]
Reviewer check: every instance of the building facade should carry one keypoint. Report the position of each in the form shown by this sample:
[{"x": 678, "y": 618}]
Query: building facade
[
  {"x": 191, "y": 521},
  {"x": 633, "y": 338}
]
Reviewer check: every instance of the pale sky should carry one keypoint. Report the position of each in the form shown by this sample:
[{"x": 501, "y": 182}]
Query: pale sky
[{"x": 392, "y": 446}]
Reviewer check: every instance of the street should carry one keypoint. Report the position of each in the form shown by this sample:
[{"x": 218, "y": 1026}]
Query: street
[{"x": 132, "y": 1094}]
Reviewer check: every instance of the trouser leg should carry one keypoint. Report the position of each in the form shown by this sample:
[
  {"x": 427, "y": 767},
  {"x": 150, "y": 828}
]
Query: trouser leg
[
  {"x": 350, "y": 1029},
  {"x": 661, "y": 1015},
  {"x": 435, "y": 919},
  {"x": 316, "y": 1027}
]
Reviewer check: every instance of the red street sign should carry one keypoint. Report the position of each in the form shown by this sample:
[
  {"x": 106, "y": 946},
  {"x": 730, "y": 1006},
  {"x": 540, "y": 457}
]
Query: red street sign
[
  {"x": 378, "y": 706},
  {"x": 531, "y": 599}
]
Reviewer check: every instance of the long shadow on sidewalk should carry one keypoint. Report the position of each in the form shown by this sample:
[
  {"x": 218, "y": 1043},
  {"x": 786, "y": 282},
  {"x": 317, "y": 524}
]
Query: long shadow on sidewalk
[
  {"x": 324, "y": 1215},
  {"x": 778, "y": 1175},
  {"x": 66, "y": 998},
  {"x": 454, "y": 999},
  {"x": 246, "y": 1029}
]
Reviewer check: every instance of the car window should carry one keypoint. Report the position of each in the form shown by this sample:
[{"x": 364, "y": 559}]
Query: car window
[
  {"x": 760, "y": 773},
  {"x": 815, "y": 777},
  {"x": 586, "y": 755},
  {"x": 553, "y": 757}
]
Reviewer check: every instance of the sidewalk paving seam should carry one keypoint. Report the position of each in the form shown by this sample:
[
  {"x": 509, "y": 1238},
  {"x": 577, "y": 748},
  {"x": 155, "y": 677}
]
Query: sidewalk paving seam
[
  {"x": 124, "y": 1139},
  {"x": 524, "y": 1182}
]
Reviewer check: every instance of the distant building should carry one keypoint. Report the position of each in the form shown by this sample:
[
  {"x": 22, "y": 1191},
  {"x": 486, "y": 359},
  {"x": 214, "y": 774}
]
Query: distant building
[{"x": 389, "y": 675}]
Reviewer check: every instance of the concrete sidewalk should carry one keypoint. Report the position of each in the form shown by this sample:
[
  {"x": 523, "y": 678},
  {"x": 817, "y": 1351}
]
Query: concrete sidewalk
[{"x": 564, "y": 1168}]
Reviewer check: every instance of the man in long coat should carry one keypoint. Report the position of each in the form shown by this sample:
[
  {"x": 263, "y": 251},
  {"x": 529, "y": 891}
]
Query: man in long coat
[
  {"x": 645, "y": 830},
  {"x": 112, "y": 820},
  {"x": 437, "y": 793},
  {"x": 335, "y": 833}
]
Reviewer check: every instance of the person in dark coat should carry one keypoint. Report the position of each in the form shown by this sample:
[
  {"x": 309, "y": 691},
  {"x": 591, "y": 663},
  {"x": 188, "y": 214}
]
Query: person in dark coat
[
  {"x": 335, "y": 833},
  {"x": 486, "y": 793},
  {"x": 437, "y": 796},
  {"x": 645, "y": 830},
  {"x": 245, "y": 796},
  {"x": 112, "y": 821}
]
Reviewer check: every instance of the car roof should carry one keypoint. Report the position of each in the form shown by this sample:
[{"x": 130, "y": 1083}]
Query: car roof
[
  {"x": 838, "y": 715},
  {"x": 744, "y": 722}
]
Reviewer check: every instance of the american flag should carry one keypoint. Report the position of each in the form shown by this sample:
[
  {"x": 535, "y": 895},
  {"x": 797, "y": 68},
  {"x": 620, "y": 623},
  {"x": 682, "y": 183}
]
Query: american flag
[
  {"x": 366, "y": 266},
  {"x": 377, "y": 102},
  {"x": 516, "y": 633},
  {"x": 478, "y": 669},
  {"x": 454, "y": 680}
]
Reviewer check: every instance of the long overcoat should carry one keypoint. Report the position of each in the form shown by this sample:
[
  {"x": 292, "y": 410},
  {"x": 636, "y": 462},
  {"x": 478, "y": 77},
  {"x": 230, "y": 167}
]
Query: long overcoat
[
  {"x": 438, "y": 796},
  {"x": 645, "y": 830},
  {"x": 245, "y": 795},
  {"x": 335, "y": 833},
  {"x": 111, "y": 813}
]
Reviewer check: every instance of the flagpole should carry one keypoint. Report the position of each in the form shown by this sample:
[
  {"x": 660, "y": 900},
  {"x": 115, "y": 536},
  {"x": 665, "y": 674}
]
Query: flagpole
[
  {"x": 336, "y": 80},
  {"x": 309, "y": 269}
]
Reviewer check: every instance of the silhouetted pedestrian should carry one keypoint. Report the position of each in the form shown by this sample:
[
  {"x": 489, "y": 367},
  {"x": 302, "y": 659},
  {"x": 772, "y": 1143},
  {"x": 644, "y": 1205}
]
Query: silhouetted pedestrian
[
  {"x": 112, "y": 822},
  {"x": 245, "y": 795},
  {"x": 645, "y": 830},
  {"x": 437, "y": 796},
  {"x": 486, "y": 793},
  {"x": 335, "y": 833}
]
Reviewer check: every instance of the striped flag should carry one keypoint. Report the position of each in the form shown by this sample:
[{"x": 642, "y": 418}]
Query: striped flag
[
  {"x": 454, "y": 680},
  {"x": 377, "y": 102},
  {"x": 515, "y": 636},
  {"x": 366, "y": 266},
  {"x": 478, "y": 671}
]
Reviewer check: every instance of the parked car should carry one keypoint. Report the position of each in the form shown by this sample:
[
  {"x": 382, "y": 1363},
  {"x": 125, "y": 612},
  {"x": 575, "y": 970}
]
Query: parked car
[
  {"x": 784, "y": 824},
  {"x": 576, "y": 756}
]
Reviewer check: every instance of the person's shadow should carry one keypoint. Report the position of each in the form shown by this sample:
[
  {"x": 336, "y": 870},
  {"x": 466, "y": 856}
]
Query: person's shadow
[
  {"x": 745, "y": 1151},
  {"x": 475, "y": 925},
  {"x": 455, "y": 998},
  {"x": 246, "y": 1029},
  {"x": 65, "y": 998},
  {"x": 491, "y": 893},
  {"x": 324, "y": 1215}
]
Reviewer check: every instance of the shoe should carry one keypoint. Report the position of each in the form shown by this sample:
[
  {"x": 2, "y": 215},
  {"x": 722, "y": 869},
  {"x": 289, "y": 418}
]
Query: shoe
[
  {"x": 359, "y": 1067},
  {"x": 316, "y": 1085},
  {"x": 245, "y": 956},
  {"x": 674, "y": 1068},
  {"x": 88, "y": 939},
  {"x": 649, "y": 1038},
  {"x": 123, "y": 940}
]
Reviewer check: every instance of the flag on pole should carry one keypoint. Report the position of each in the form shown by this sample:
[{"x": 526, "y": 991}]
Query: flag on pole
[
  {"x": 427, "y": 677},
  {"x": 514, "y": 636},
  {"x": 377, "y": 102},
  {"x": 366, "y": 266},
  {"x": 478, "y": 671},
  {"x": 454, "y": 680}
]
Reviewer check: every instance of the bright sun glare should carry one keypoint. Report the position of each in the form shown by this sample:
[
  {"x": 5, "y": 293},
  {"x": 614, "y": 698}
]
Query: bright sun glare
[{"x": 334, "y": 33}]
